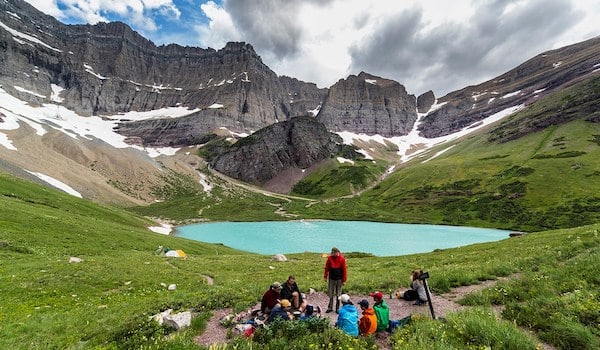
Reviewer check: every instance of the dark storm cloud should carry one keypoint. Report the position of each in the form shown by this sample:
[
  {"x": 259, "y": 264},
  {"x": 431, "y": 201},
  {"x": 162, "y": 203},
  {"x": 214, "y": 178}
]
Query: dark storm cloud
[
  {"x": 454, "y": 55},
  {"x": 271, "y": 26}
]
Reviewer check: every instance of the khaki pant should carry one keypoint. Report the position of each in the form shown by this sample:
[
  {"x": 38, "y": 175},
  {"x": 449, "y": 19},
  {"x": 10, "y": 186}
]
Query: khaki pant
[{"x": 334, "y": 291}]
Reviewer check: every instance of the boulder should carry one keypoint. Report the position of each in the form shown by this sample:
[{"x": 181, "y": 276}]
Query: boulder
[
  {"x": 279, "y": 257},
  {"x": 179, "y": 321}
]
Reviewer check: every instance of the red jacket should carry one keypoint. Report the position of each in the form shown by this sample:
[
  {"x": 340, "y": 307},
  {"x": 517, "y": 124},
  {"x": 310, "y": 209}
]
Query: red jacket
[
  {"x": 269, "y": 300},
  {"x": 335, "y": 268}
]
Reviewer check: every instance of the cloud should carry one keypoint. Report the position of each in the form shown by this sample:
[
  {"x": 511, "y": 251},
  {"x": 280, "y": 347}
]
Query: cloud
[
  {"x": 139, "y": 14},
  {"x": 271, "y": 24},
  {"x": 219, "y": 29},
  {"x": 496, "y": 37}
]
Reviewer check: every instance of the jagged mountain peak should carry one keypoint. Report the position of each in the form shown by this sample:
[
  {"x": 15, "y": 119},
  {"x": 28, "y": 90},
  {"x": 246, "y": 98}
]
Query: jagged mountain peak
[{"x": 108, "y": 69}]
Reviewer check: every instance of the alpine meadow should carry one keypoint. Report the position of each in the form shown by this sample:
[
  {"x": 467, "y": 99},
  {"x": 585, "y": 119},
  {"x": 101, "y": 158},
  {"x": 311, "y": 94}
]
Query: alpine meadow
[{"x": 108, "y": 143}]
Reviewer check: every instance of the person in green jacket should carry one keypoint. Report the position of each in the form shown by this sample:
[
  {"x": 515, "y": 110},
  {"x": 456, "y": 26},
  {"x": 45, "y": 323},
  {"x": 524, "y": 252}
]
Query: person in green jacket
[{"x": 382, "y": 311}]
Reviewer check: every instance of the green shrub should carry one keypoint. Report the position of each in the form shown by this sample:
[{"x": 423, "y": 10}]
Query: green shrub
[
  {"x": 471, "y": 329},
  {"x": 566, "y": 333},
  {"x": 312, "y": 333}
]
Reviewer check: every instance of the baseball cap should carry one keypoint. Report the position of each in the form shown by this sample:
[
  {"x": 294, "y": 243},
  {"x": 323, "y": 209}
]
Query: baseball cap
[
  {"x": 276, "y": 285},
  {"x": 285, "y": 303},
  {"x": 377, "y": 295},
  {"x": 364, "y": 303},
  {"x": 344, "y": 298}
]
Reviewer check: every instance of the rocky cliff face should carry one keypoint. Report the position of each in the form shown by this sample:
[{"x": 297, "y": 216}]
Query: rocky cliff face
[
  {"x": 536, "y": 77},
  {"x": 108, "y": 68},
  {"x": 297, "y": 143},
  {"x": 369, "y": 104}
]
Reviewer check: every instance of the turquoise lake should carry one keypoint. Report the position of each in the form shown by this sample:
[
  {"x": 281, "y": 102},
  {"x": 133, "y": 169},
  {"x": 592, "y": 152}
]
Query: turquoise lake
[{"x": 381, "y": 239}]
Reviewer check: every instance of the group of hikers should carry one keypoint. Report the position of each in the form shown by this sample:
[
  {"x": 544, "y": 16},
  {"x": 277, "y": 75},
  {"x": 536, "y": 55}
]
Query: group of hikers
[{"x": 285, "y": 300}]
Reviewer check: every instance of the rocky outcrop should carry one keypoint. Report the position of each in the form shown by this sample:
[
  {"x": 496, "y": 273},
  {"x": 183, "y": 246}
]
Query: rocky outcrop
[
  {"x": 304, "y": 98},
  {"x": 425, "y": 101},
  {"x": 369, "y": 104},
  {"x": 297, "y": 143}
]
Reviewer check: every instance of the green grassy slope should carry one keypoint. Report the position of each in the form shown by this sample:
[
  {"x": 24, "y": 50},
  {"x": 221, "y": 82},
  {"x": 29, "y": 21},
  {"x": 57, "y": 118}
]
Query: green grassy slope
[{"x": 105, "y": 301}]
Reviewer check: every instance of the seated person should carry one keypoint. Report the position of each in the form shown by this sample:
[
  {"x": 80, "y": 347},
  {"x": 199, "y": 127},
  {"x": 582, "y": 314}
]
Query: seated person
[
  {"x": 417, "y": 289},
  {"x": 310, "y": 312},
  {"x": 281, "y": 310},
  {"x": 270, "y": 298},
  {"x": 347, "y": 319},
  {"x": 291, "y": 292},
  {"x": 382, "y": 311},
  {"x": 367, "y": 324}
]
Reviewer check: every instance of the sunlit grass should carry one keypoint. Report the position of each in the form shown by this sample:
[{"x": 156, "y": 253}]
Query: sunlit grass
[{"x": 105, "y": 300}]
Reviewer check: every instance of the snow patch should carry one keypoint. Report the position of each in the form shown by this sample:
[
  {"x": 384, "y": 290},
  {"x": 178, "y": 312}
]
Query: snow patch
[
  {"x": 56, "y": 183},
  {"x": 315, "y": 111},
  {"x": 27, "y": 37},
  {"x": 164, "y": 229},
  {"x": 344, "y": 160},
  {"x": 511, "y": 94},
  {"x": 18, "y": 88}
]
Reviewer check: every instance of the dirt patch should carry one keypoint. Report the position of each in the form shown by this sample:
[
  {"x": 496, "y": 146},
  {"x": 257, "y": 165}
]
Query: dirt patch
[{"x": 442, "y": 305}]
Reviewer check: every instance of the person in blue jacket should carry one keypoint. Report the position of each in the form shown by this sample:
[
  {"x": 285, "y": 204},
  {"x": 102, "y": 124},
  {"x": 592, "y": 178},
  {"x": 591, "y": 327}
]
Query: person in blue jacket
[{"x": 347, "y": 319}]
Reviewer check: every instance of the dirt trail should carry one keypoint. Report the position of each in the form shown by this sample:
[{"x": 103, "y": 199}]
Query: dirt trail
[{"x": 442, "y": 305}]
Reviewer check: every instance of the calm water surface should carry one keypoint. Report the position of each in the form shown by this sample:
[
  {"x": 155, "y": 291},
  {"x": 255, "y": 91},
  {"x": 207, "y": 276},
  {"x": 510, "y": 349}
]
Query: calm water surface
[{"x": 381, "y": 239}]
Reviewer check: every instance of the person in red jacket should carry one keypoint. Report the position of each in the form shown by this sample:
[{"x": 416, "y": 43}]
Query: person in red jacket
[{"x": 335, "y": 274}]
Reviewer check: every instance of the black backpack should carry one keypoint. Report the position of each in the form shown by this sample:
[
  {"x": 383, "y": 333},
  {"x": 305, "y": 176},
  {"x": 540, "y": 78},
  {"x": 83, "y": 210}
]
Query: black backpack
[{"x": 410, "y": 295}]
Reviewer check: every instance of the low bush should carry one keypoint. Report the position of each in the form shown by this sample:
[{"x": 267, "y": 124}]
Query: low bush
[{"x": 471, "y": 329}]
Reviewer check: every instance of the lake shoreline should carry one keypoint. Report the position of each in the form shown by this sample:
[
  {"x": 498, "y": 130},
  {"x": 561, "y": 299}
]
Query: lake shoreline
[{"x": 302, "y": 235}]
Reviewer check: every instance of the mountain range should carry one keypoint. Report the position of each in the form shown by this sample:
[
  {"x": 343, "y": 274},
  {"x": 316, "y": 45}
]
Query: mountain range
[{"x": 117, "y": 119}]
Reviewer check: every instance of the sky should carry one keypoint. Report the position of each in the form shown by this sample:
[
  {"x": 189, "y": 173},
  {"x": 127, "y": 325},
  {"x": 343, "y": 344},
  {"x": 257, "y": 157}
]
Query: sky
[{"x": 436, "y": 45}]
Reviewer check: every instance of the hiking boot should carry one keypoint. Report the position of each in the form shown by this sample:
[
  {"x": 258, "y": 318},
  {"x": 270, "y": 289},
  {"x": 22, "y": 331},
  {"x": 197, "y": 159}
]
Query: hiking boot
[
  {"x": 328, "y": 311},
  {"x": 419, "y": 302}
]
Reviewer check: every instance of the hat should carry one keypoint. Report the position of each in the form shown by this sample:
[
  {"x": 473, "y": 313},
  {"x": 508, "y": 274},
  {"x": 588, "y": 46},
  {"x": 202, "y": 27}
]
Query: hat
[
  {"x": 276, "y": 285},
  {"x": 344, "y": 298},
  {"x": 335, "y": 250},
  {"x": 364, "y": 303},
  {"x": 285, "y": 303},
  {"x": 377, "y": 295}
]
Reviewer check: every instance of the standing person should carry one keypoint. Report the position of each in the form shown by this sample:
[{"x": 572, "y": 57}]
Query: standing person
[
  {"x": 367, "y": 324},
  {"x": 382, "y": 311},
  {"x": 270, "y": 298},
  {"x": 335, "y": 274},
  {"x": 347, "y": 319},
  {"x": 291, "y": 292}
]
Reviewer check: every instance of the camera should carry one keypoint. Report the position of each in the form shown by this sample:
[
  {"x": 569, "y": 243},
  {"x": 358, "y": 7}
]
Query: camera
[{"x": 424, "y": 275}]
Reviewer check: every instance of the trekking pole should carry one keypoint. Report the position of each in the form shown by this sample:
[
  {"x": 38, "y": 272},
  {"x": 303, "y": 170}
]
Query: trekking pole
[{"x": 424, "y": 276}]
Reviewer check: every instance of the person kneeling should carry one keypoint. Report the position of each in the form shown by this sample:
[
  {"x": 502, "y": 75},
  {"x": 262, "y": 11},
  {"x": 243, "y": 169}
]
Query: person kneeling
[{"x": 417, "y": 290}]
